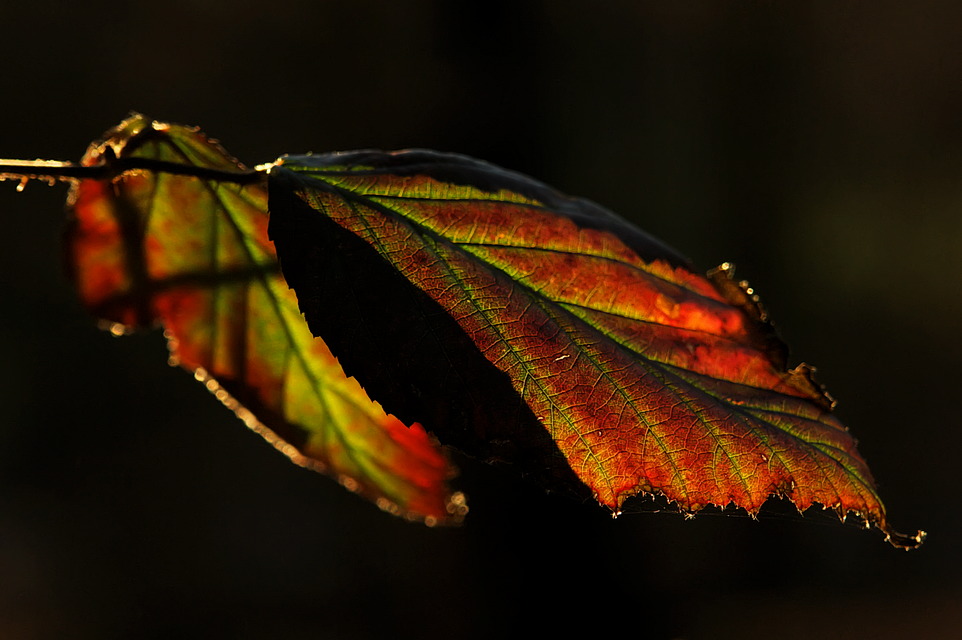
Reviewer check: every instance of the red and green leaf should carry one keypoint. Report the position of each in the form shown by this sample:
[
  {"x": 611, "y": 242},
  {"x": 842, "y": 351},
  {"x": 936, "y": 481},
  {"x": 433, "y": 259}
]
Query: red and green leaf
[
  {"x": 522, "y": 324},
  {"x": 192, "y": 254}
]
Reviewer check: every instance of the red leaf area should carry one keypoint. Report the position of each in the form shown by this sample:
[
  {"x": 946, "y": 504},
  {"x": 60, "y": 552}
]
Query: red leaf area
[
  {"x": 649, "y": 377},
  {"x": 193, "y": 255}
]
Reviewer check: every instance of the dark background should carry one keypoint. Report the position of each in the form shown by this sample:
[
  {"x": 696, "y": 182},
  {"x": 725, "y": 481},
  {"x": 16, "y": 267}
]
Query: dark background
[{"x": 817, "y": 145}]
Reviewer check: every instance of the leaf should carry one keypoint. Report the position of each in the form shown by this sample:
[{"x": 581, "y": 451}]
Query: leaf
[
  {"x": 150, "y": 247},
  {"x": 523, "y": 324}
]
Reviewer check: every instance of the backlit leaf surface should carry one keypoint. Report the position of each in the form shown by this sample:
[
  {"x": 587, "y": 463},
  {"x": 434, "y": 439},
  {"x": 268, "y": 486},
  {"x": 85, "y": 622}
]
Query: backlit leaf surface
[
  {"x": 193, "y": 255},
  {"x": 534, "y": 327}
]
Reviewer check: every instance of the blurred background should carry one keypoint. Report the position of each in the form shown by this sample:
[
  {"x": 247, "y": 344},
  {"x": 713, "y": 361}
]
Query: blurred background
[{"x": 816, "y": 145}]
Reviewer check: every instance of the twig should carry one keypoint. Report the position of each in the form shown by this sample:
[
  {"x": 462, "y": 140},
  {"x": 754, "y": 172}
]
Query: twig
[{"x": 51, "y": 170}]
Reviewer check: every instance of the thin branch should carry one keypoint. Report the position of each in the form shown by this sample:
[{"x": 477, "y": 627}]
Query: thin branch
[{"x": 54, "y": 170}]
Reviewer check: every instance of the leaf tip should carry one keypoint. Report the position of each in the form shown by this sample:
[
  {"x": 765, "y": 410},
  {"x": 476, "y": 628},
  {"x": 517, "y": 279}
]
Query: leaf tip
[{"x": 904, "y": 541}]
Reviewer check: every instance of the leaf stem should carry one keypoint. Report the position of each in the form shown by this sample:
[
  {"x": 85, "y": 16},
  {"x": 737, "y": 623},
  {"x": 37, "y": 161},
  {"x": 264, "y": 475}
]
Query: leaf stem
[{"x": 55, "y": 170}]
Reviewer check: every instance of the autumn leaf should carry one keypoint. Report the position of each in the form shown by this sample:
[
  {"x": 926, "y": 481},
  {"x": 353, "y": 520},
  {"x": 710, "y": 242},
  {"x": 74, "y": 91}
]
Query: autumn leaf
[
  {"x": 524, "y": 325},
  {"x": 192, "y": 254}
]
